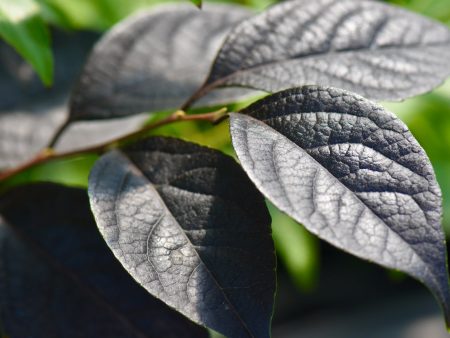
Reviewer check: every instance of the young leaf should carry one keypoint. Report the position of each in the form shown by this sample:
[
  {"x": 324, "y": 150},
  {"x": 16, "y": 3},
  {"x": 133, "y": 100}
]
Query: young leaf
[
  {"x": 187, "y": 224},
  {"x": 23, "y": 28},
  {"x": 153, "y": 61},
  {"x": 351, "y": 173},
  {"x": 60, "y": 280},
  {"x": 368, "y": 47}
]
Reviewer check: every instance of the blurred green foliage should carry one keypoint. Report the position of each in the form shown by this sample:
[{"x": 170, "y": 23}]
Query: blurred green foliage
[
  {"x": 97, "y": 15},
  {"x": 296, "y": 248},
  {"x": 197, "y": 3},
  {"x": 437, "y": 9},
  {"x": 72, "y": 172},
  {"x": 22, "y": 24}
]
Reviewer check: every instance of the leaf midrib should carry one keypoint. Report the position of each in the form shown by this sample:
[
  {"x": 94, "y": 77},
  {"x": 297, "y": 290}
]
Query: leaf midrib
[
  {"x": 430, "y": 273},
  {"x": 213, "y": 277},
  {"x": 228, "y": 79}
]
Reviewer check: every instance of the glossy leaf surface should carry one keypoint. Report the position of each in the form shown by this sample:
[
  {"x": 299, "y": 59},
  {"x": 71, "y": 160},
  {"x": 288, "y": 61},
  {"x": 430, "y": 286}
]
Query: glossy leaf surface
[
  {"x": 351, "y": 173},
  {"x": 377, "y": 50},
  {"x": 59, "y": 279},
  {"x": 154, "y": 61},
  {"x": 187, "y": 224}
]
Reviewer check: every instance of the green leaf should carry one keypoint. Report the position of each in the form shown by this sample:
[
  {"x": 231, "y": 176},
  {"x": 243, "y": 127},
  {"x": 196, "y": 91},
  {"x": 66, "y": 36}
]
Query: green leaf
[
  {"x": 197, "y": 3},
  {"x": 54, "y": 15},
  {"x": 83, "y": 14},
  {"x": 438, "y": 9},
  {"x": 96, "y": 14},
  {"x": 22, "y": 27}
]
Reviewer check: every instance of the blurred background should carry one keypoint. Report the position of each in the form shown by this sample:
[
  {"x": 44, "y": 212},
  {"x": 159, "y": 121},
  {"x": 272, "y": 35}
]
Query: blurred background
[{"x": 322, "y": 292}]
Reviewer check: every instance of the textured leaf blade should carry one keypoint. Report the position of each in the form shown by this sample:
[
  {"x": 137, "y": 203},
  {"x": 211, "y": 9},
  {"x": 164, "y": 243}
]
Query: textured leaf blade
[
  {"x": 27, "y": 130},
  {"x": 352, "y": 173},
  {"x": 154, "y": 61},
  {"x": 374, "y": 49},
  {"x": 63, "y": 281},
  {"x": 189, "y": 226},
  {"x": 30, "y": 113}
]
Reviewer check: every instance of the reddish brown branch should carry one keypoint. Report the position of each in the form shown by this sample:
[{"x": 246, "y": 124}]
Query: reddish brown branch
[{"x": 48, "y": 154}]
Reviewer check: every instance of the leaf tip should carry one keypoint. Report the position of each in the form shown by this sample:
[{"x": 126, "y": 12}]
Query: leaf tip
[
  {"x": 447, "y": 320},
  {"x": 197, "y": 3},
  {"x": 445, "y": 307},
  {"x": 447, "y": 323}
]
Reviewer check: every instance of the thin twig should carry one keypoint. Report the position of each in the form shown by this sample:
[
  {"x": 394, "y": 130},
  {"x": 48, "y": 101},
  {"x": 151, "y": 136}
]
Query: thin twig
[
  {"x": 58, "y": 133},
  {"x": 49, "y": 154},
  {"x": 202, "y": 91}
]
